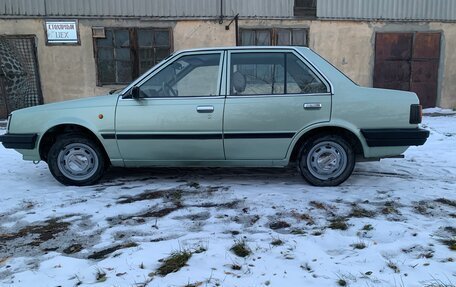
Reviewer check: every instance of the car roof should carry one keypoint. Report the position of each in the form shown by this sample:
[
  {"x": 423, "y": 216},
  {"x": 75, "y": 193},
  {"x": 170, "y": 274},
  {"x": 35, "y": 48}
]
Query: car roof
[{"x": 244, "y": 48}]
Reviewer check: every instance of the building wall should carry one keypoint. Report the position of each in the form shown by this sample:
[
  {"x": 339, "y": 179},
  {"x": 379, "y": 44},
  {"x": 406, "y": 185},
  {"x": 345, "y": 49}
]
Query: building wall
[{"x": 69, "y": 72}]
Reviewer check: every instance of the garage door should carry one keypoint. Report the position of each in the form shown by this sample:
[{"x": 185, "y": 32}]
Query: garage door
[{"x": 409, "y": 62}]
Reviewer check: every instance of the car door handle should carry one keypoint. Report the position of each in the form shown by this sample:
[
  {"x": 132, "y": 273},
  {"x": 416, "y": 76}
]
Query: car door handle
[
  {"x": 205, "y": 109},
  {"x": 312, "y": 106}
]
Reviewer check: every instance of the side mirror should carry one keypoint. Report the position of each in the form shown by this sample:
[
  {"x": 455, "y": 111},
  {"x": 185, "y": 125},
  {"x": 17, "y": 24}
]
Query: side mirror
[{"x": 135, "y": 92}]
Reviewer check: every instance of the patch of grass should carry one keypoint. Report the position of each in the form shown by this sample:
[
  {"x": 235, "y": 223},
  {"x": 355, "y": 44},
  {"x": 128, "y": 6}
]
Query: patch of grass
[
  {"x": 446, "y": 201},
  {"x": 451, "y": 243},
  {"x": 393, "y": 267},
  {"x": 298, "y": 231},
  {"x": 236, "y": 267},
  {"x": 277, "y": 242},
  {"x": 100, "y": 276},
  {"x": 359, "y": 245},
  {"x": 174, "y": 262},
  {"x": 304, "y": 216},
  {"x": 421, "y": 208},
  {"x": 439, "y": 283},
  {"x": 103, "y": 253},
  {"x": 319, "y": 205},
  {"x": 73, "y": 249},
  {"x": 307, "y": 267},
  {"x": 279, "y": 225},
  {"x": 367, "y": 227},
  {"x": 360, "y": 212},
  {"x": 241, "y": 249},
  {"x": 200, "y": 249},
  {"x": 317, "y": 233},
  {"x": 389, "y": 208},
  {"x": 342, "y": 282},
  {"x": 339, "y": 223}
]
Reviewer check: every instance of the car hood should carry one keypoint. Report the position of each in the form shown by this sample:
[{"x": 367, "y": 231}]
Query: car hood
[{"x": 98, "y": 101}]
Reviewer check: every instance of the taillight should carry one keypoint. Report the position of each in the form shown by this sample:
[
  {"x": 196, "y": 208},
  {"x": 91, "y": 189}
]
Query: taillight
[{"x": 416, "y": 114}]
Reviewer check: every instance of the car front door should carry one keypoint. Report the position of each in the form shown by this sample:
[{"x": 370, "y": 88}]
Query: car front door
[
  {"x": 177, "y": 116},
  {"x": 273, "y": 94}
]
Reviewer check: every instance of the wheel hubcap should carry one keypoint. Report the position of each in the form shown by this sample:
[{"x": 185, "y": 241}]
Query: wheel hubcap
[
  {"x": 327, "y": 160},
  {"x": 77, "y": 161}
]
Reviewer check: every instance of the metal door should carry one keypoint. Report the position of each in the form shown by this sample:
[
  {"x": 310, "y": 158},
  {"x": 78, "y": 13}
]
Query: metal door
[
  {"x": 19, "y": 76},
  {"x": 425, "y": 67},
  {"x": 409, "y": 62}
]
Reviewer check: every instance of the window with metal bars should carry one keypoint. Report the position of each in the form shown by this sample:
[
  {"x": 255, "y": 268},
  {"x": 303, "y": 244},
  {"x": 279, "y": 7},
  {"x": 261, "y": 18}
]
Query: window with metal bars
[
  {"x": 274, "y": 37},
  {"x": 126, "y": 53}
]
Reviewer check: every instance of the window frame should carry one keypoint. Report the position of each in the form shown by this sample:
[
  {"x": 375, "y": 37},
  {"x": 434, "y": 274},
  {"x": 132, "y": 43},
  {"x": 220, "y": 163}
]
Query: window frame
[
  {"x": 134, "y": 52},
  {"x": 274, "y": 34},
  {"x": 306, "y": 12},
  {"x": 170, "y": 61},
  {"x": 316, "y": 71}
]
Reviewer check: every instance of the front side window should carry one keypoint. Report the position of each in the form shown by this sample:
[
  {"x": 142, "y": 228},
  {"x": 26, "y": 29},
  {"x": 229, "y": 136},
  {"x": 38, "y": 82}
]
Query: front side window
[
  {"x": 188, "y": 76},
  {"x": 272, "y": 74}
]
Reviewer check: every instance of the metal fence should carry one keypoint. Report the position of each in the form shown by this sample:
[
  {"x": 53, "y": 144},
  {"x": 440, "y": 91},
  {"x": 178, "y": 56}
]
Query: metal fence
[{"x": 19, "y": 79}]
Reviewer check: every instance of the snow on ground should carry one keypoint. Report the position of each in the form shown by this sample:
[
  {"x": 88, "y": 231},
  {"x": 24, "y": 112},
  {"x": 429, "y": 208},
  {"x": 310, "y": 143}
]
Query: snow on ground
[{"x": 393, "y": 223}]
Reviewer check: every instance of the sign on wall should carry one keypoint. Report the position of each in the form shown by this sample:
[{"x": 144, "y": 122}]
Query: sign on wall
[{"x": 60, "y": 32}]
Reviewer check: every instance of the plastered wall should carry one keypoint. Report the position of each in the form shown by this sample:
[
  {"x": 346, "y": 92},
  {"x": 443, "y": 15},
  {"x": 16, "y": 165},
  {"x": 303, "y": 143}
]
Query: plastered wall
[{"x": 69, "y": 72}]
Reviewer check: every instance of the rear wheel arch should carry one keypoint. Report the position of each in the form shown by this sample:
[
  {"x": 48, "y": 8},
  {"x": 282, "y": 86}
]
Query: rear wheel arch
[
  {"x": 346, "y": 134},
  {"x": 49, "y": 138}
]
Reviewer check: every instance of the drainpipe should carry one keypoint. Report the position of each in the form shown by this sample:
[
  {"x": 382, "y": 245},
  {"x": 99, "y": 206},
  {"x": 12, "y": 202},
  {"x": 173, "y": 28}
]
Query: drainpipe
[
  {"x": 221, "y": 12},
  {"x": 236, "y": 27}
]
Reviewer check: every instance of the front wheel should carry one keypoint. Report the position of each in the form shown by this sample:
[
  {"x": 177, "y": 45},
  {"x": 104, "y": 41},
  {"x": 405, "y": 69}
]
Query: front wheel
[
  {"x": 76, "y": 160},
  {"x": 326, "y": 160}
]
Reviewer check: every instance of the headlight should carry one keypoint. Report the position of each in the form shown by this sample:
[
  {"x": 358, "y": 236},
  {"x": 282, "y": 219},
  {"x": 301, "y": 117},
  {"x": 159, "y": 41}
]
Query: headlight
[{"x": 8, "y": 122}]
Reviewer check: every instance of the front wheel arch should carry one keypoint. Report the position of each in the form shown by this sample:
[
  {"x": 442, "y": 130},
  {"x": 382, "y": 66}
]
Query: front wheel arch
[{"x": 50, "y": 136}]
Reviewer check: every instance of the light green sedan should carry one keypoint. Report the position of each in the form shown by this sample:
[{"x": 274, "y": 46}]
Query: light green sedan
[{"x": 236, "y": 106}]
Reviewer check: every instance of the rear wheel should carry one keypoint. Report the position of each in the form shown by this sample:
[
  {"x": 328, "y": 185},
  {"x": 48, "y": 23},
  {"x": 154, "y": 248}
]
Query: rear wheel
[
  {"x": 76, "y": 160},
  {"x": 326, "y": 160}
]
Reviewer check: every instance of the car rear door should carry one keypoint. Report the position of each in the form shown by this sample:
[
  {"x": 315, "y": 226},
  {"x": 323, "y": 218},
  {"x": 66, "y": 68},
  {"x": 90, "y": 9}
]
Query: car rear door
[
  {"x": 272, "y": 95},
  {"x": 178, "y": 117}
]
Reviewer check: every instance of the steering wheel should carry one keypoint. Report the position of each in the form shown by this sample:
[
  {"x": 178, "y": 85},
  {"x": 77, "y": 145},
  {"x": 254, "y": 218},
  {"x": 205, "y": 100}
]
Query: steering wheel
[{"x": 168, "y": 90}]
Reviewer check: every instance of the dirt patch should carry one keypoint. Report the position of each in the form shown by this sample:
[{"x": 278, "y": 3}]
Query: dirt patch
[
  {"x": 103, "y": 253},
  {"x": 152, "y": 194},
  {"x": 139, "y": 217},
  {"x": 41, "y": 233}
]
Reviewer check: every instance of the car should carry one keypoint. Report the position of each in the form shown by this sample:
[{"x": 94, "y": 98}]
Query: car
[{"x": 223, "y": 107}]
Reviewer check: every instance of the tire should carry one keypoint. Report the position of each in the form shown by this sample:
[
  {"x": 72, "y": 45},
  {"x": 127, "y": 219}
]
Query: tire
[
  {"x": 76, "y": 160},
  {"x": 326, "y": 160}
]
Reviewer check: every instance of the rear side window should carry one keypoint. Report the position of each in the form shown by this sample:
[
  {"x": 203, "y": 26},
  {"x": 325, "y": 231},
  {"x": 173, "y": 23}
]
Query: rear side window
[
  {"x": 272, "y": 74},
  {"x": 301, "y": 79}
]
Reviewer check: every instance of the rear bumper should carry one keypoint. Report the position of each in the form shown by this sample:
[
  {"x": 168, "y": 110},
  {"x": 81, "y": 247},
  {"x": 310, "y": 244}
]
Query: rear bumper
[
  {"x": 19, "y": 141},
  {"x": 395, "y": 137}
]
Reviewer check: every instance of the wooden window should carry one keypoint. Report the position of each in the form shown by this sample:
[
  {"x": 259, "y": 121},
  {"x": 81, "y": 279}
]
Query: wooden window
[
  {"x": 274, "y": 37},
  {"x": 125, "y": 53},
  {"x": 305, "y": 8}
]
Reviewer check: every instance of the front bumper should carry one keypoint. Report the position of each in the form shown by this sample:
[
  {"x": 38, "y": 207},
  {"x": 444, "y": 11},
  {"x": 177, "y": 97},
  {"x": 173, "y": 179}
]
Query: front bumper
[
  {"x": 395, "y": 137},
  {"x": 19, "y": 141}
]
